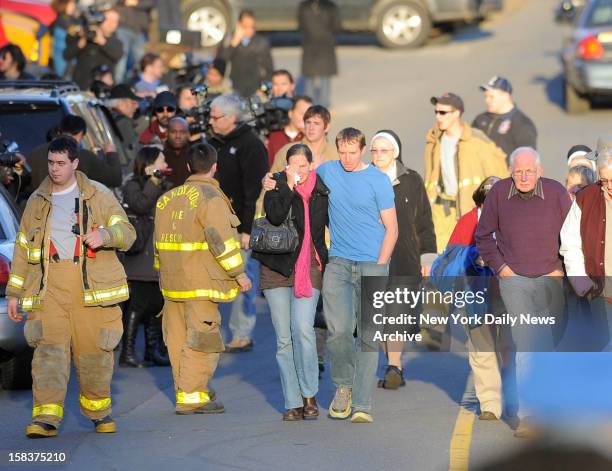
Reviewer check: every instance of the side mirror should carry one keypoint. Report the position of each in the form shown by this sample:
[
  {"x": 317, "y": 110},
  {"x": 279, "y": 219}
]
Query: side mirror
[{"x": 566, "y": 12}]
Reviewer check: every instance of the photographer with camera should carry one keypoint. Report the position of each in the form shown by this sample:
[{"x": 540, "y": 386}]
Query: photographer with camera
[
  {"x": 140, "y": 194},
  {"x": 242, "y": 163},
  {"x": 105, "y": 169},
  {"x": 93, "y": 45},
  {"x": 293, "y": 131},
  {"x": 163, "y": 109}
]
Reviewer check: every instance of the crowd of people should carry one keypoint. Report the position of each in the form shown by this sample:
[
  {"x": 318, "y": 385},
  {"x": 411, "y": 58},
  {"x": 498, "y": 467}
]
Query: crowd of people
[{"x": 192, "y": 201}]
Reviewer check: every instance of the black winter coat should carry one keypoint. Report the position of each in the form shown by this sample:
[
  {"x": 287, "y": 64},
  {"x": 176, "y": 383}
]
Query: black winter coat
[
  {"x": 139, "y": 198},
  {"x": 416, "y": 229},
  {"x": 318, "y": 21},
  {"x": 277, "y": 204},
  {"x": 242, "y": 162},
  {"x": 251, "y": 65}
]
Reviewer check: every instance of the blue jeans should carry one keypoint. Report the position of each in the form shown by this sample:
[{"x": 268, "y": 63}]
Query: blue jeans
[
  {"x": 59, "y": 44},
  {"x": 133, "y": 50},
  {"x": 350, "y": 366},
  {"x": 244, "y": 310},
  {"x": 319, "y": 89},
  {"x": 296, "y": 345}
]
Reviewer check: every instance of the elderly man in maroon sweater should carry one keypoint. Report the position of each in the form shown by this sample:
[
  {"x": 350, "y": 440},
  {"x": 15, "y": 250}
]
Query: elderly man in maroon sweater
[{"x": 518, "y": 237}]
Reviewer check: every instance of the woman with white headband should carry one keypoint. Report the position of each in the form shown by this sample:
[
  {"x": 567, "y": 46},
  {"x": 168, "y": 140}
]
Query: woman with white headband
[{"x": 416, "y": 245}]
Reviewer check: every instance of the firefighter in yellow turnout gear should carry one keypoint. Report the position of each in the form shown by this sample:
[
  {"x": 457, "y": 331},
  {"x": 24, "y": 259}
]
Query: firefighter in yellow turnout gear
[
  {"x": 197, "y": 253},
  {"x": 66, "y": 276}
]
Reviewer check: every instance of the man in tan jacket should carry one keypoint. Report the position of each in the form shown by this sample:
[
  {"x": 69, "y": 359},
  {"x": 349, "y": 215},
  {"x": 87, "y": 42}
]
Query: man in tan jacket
[
  {"x": 200, "y": 265},
  {"x": 457, "y": 159},
  {"x": 65, "y": 272}
]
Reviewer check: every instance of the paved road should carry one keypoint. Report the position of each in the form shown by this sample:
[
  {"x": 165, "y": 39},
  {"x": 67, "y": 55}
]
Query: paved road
[{"x": 425, "y": 425}]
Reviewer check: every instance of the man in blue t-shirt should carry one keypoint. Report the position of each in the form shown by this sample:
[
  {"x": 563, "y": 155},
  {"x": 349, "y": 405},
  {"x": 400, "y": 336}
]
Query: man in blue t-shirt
[{"x": 363, "y": 228}]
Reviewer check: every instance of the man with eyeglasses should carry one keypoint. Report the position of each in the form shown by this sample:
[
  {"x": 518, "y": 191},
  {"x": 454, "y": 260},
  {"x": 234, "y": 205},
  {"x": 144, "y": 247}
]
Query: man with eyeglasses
[
  {"x": 242, "y": 163},
  {"x": 518, "y": 238},
  {"x": 457, "y": 159},
  {"x": 163, "y": 109}
]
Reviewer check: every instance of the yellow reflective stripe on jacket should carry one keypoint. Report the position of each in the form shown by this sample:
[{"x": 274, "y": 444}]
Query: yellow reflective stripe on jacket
[
  {"x": 48, "y": 409},
  {"x": 156, "y": 262},
  {"x": 16, "y": 281},
  {"x": 181, "y": 246},
  {"x": 115, "y": 219},
  {"x": 230, "y": 244},
  {"x": 22, "y": 240},
  {"x": 198, "y": 397},
  {"x": 429, "y": 185},
  {"x": 30, "y": 302},
  {"x": 102, "y": 295},
  {"x": 201, "y": 293},
  {"x": 231, "y": 262},
  {"x": 95, "y": 405},
  {"x": 34, "y": 255},
  {"x": 470, "y": 181}
]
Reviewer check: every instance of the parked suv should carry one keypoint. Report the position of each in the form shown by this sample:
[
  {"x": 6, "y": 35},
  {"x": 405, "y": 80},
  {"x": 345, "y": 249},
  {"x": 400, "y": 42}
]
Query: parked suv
[
  {"x": 397, "y": 23},
  {"x": 15, "y": 355},
  {"x": 28, "y": 110}
]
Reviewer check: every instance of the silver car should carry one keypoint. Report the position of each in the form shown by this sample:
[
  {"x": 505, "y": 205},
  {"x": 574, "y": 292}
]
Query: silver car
[
  {"x": 15, "y": 355},
  {"x": 587, "y": 57}
]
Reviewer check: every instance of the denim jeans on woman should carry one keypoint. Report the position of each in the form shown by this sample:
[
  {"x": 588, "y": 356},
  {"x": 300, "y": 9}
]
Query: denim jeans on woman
[
  {"x": 353, "y": 366},
  {"x": 296, "y": 346}
]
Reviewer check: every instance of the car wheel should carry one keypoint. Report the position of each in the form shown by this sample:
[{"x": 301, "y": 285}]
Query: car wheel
[
  {"x": 16, "y": 373},
  {"x": 209, "y": 17},
  {"x": 403, "y": 24},
  {"x": 574, "y": 102}
]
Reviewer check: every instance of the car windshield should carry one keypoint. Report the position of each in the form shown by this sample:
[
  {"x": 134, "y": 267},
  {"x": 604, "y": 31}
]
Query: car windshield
[
  {"x": 599, "y": 14},
  {"x": 28, "y": 123}
]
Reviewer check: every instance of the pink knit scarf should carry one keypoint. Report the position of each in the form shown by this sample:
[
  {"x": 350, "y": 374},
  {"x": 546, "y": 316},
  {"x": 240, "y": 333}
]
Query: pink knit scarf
[{"x": 303, "y": 285}]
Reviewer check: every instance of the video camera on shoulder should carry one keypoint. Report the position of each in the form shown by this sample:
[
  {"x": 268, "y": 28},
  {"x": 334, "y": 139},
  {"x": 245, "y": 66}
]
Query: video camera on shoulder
[
  {"x": 92, "y": 16},
  {"x": 270, "y": 115},
  {"x": 201, "y": 113},
  {"x": 9, "y": 151}
]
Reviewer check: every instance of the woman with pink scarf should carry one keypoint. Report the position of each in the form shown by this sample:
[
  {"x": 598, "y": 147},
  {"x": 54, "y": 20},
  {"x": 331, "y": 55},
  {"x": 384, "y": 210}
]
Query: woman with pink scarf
[{"x": 292, "y": 282}]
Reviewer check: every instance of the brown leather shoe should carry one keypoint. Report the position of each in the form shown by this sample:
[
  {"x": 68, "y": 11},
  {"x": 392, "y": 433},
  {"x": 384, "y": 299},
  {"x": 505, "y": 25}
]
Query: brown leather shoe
[
  {"x": 297, "y": 413},
  {"x": 487, "y": 415},
  {"x": 311, "y": 410}
]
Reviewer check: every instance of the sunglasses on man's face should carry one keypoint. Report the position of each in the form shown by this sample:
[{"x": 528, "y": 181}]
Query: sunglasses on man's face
[
  {"x": 167, "y": 109},
  {"x": 443, "y": 112}
]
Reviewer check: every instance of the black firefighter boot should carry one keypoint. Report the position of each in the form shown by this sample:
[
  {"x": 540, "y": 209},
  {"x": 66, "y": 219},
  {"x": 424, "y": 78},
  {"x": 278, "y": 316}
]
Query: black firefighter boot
[
  {"x": 155, "y": 350},
  {"x": 130, "y": 331}
]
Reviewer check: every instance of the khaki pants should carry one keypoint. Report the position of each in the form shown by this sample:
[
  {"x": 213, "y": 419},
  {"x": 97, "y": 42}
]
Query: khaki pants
[
  {"x": 63, "y": 324},
  {"x": 192, "y": 334},
  {"x": 484, "y": 362},
  {"x": 445, "y": 220}
]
